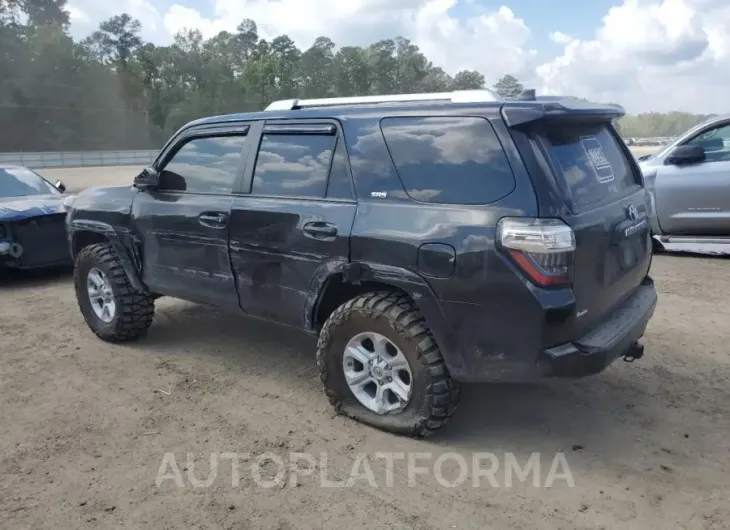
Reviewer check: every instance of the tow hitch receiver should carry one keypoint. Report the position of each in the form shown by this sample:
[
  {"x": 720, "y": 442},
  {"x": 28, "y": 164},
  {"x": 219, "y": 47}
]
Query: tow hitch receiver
[{"x": 636, "y": 351}]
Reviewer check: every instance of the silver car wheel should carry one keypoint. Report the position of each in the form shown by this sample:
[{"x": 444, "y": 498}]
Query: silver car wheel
[
  {"x": 378, "y": 373},
  {"x": 101, "y": 295}
]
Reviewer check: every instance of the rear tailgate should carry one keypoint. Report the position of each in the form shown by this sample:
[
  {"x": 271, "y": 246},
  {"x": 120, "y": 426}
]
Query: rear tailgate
[{"x": 606, "y": 208}]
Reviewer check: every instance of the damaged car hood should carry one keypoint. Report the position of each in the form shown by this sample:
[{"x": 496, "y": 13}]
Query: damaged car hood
[{"x": 17, "y": 208}]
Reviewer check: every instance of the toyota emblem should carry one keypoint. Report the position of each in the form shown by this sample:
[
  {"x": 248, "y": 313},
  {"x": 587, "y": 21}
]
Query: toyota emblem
[{"x": 633, "y": 213}]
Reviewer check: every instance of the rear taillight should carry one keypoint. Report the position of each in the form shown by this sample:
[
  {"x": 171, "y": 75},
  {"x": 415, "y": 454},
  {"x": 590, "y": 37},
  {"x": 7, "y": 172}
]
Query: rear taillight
[{"x": 542, "y": 248}]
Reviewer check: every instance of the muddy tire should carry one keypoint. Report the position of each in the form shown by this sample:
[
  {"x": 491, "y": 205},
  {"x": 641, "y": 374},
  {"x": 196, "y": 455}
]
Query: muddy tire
[
  {"x": 100, "y": 281},
  {"x": 396, "y": 322}
]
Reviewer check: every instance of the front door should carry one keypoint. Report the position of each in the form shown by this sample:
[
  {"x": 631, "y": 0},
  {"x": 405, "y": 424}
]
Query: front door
[
  {"x": 293, "y": 225},
  {"x": 694, "y": 199},
  {"x": 184, "y": 223}
]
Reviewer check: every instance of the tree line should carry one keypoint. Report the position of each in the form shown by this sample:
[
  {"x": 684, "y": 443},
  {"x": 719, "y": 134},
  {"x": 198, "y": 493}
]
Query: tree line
[{"x": 112, "y": 90}]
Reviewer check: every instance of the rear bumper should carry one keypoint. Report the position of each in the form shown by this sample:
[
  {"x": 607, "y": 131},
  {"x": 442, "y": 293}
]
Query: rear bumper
[
  {"x": 487, "y": 346},
  {"x": 615, "y": 337}
]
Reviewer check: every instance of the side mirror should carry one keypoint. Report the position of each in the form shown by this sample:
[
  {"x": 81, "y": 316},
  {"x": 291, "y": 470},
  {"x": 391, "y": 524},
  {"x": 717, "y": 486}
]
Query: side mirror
[
  {"x": 149, "y": 178},
  {"x": 686, "y": 154},
  {"x": 60, "y": 186}
]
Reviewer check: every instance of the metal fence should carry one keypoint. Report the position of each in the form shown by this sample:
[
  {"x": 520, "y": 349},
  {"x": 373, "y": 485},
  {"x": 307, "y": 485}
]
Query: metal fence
[{"x": 78, "y": 158}]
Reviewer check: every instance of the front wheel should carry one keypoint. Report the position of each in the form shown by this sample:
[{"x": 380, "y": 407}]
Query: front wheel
[
  {"x": 381, "y": 366},
  {"x": 113, "y": 309}
]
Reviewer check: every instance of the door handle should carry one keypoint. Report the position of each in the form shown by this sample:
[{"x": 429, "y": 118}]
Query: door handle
[
  {"x": 213, "y": 219},
  {"x": 320, "y": 230}
]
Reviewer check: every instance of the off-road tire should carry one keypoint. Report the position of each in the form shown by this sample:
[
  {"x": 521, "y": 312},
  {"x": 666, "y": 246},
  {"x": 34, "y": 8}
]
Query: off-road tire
[
  {"x": 435, "y": 395},
  {"x": 134, "y": 310}
]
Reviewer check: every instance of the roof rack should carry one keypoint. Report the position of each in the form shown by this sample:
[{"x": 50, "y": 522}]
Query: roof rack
[{"x": 457, "y": 96}]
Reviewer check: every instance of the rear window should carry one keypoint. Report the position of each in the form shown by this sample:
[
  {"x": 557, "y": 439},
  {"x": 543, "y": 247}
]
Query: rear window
[
  {"x": 591, "y": 162},
  {"x": 448, "y": 160}
]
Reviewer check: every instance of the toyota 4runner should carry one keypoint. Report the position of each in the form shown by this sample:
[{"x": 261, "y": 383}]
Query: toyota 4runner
[{"x": 426, "y": 239}]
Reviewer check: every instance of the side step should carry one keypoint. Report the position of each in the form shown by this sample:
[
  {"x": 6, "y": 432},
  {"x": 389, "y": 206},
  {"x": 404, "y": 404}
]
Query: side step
[{"x": 699, "y": 240}]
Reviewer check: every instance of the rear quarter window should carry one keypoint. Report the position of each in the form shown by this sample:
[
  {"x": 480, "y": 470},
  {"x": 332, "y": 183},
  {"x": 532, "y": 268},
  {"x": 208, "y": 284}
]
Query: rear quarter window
[
  {"x": 448, "y": 160},
  {"x": 591, "y": 162}
]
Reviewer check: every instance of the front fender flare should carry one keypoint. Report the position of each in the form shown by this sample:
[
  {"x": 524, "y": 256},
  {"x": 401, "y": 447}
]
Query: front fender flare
[{"x": 127, "y": 256}]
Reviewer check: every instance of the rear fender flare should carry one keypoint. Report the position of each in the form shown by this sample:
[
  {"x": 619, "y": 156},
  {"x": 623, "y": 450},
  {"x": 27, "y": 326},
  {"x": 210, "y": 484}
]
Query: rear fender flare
[
  {"x": 126, "y": 252},
  {"x": 404, "y": 280}
]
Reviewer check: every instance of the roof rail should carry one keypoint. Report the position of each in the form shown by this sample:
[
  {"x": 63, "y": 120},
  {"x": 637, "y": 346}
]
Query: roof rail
[{"x": 482, "y": 95}]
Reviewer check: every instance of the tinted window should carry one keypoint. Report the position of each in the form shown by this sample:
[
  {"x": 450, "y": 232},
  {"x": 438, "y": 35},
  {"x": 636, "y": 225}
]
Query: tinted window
[
  {"x": 454, "y": 160},
  {"x": 204, "y": 165},
  {"x": 21, "y": 182},
  {"x": 715, "y": 142},
  {"x": 296, "y": 164},
  {"x": 339, "y": 181},
  {"x": 591, "y": 162}
]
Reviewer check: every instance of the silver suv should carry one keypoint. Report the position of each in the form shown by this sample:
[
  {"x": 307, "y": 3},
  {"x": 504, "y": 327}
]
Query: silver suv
[{"x": 689, "y": 184}]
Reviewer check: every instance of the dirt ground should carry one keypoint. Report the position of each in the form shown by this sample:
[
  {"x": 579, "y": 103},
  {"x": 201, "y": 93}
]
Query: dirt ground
[
  {"x": 86, "y": 426},
  {"x": 79, "y": 178}
]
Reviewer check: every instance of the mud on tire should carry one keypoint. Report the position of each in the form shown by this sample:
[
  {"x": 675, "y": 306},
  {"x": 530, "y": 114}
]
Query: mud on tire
[
  {"x": 134, "y": 310},
  {"x": 434, "y": 395}
]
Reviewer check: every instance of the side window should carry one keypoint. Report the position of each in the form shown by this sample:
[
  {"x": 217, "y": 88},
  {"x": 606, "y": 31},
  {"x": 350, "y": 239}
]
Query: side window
[
  {"x": 204, "y": 165},
  {"x": 715, "y": 142},
  {"x": 454, "y": 160},
  {"x": 293, "y": 165},
  {"x": 339, "y": 181}
]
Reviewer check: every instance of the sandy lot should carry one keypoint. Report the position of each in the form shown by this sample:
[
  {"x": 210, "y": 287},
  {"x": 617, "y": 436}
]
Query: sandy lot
[
  {"x": 640, "y": 150},
  {"x": 86, "y": 427},
  {"x": 79, "y": 178}
]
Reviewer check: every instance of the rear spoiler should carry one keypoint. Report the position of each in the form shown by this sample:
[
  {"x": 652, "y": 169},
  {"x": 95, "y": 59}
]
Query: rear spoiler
[{"x": 521, "y": 112}]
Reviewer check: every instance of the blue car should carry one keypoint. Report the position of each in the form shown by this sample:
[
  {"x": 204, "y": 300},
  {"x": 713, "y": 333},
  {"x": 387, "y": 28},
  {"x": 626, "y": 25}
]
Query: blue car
[{"x": 32, "y": 220}]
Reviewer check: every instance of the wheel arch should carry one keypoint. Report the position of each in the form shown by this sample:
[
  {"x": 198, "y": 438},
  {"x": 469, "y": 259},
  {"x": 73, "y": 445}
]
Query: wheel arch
[
  {"x": 349, "y": 280},
  {"x": 83, "y": 233}
]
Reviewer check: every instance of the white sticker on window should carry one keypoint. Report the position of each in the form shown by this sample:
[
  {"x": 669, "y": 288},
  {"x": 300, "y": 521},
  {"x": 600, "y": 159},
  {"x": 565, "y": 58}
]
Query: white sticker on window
[{"x": 594, "y": 151}]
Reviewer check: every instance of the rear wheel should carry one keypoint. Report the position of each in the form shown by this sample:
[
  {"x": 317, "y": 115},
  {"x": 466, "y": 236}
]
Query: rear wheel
[
  {"x": 113, "y": 309},
  {"x": 380, "y": 365}
]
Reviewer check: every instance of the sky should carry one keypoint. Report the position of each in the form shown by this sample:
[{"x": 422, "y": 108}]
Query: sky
[{"x": 647, "y": 55}]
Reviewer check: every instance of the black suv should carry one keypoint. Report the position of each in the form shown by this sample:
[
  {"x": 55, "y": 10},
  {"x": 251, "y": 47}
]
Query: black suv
[{"x": 427, "y": 239}]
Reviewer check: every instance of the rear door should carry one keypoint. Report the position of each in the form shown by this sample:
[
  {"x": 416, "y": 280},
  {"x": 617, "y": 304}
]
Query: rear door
[
  {"x": 291, "y": 223},
  {"x": 607, "y": 208},
  {"x": 694, "y": 199}
]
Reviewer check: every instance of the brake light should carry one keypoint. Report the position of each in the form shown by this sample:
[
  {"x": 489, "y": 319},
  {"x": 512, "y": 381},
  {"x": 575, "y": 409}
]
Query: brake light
[{"x": 543, "y": 249}]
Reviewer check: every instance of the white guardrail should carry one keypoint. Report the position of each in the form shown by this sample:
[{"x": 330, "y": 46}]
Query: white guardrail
[{"x": 51, "y": 159}]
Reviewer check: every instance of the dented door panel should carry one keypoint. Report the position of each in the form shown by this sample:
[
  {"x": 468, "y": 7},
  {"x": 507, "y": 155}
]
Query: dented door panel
[
  {"x": 182, "y": 256},
  {"x": 278, "y": 245}
]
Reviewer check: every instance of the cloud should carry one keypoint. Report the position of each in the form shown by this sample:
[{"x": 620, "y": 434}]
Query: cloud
[
  {"x": 87, "y": 14},
  {"x": 658, "y": 55},
  {"x": 560, "y": 38},
  {"x": 491, "y": 41},
  {"x": 645, "y": 54}
]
